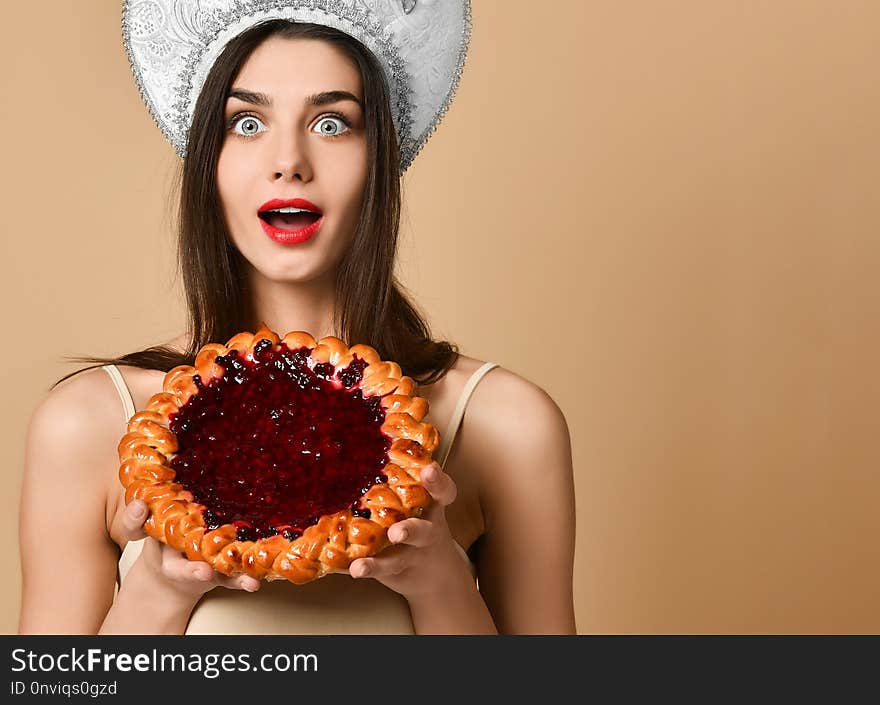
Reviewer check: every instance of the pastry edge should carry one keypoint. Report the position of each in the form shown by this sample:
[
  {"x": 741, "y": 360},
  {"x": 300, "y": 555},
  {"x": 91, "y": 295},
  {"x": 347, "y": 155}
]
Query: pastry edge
[{"x": 326, "y": 547}]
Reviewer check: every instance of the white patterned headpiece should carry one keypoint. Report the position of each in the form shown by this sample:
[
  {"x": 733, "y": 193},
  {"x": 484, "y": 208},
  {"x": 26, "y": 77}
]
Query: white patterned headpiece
[{"x": 421, "y": 45}]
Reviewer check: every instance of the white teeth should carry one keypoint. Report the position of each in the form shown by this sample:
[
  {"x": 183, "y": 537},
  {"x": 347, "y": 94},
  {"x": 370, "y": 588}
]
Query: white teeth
[{"x": 289, "y": 209}]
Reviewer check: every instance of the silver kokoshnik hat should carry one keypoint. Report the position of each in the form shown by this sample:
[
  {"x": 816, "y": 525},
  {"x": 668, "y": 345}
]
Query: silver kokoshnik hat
[{"x": 421, "y": 45}]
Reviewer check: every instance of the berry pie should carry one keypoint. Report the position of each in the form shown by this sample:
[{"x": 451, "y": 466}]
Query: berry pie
[{"x": 282, "y": 458}]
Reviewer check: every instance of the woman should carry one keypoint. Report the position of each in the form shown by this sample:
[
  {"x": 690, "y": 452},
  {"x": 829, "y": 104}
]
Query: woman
[{"x": 505, "y": 495}]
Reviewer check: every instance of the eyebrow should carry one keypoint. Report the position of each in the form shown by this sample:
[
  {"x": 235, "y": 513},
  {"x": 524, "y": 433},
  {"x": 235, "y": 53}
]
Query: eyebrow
[{"x": 318, "y": 99}]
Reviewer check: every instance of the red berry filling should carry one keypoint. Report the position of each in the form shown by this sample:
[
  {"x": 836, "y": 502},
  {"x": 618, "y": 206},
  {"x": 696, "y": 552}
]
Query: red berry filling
[{"x": 273, "y": 445}]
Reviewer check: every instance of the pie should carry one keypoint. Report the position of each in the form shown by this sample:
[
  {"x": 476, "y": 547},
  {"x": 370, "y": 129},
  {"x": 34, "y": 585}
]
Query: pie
[{"x": 282, "y": 458}]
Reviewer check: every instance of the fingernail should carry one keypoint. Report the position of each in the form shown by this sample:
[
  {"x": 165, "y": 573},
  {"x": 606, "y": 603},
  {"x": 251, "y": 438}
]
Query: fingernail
[
  {"x": 140, "y": 508},
  {"x": 363, "y": 571},
  {"x": 402, "y": 535},
  {"x": 430, "y": 473}
]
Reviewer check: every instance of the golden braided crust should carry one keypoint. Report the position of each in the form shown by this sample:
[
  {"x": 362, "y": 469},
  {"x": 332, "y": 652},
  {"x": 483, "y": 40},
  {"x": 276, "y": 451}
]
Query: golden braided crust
[{"x": 326, "y": 547}]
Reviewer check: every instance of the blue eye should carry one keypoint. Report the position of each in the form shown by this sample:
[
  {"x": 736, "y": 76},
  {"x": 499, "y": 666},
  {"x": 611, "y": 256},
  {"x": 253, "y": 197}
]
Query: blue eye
[
  {"x": 243, "y": 120},
  {"x": 324, "y": 122},
  {"x": 325, "y": 126}
]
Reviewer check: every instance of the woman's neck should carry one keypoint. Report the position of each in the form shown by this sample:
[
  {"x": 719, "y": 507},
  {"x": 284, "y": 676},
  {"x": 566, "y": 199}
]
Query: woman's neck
[{"x": 294, "y": 306}]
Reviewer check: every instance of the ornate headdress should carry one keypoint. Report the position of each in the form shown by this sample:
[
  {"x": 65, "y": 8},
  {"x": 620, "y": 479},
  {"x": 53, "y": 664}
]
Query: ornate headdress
[{"x": 421, "y": 45}]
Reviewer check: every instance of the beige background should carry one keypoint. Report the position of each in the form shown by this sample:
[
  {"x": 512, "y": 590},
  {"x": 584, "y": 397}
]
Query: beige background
[{"x": 665, "y": 214}]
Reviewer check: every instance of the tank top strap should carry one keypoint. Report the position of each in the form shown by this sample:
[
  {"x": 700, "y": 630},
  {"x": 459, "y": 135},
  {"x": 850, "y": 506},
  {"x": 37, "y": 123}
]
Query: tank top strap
[
  {"x": 122, "y": 388},
  {"x": 457, "y": 415}
]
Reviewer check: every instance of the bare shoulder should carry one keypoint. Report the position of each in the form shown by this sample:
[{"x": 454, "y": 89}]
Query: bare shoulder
[
  {"x": 71, "y": 443},
  {"x": 515, "y": 432},
  {"x": 78, "y": 408},
  {"x": 73, "y": 431},
  {"x": 506, "y": 405},
  {"x": 518, "y": 444}
]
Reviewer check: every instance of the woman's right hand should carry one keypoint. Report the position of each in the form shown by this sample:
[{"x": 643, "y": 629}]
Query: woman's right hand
[{"x": 170, "y": 568}]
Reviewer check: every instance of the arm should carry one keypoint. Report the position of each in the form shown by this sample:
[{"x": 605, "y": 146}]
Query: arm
[
  {"x": 460, "y": 610},
  {"x": 68, "y": 561},
  {"x": 526, "y": 556},
  {"x": 518, "y": 443},
  {"x": 137, "y": 600},
  {"x": 163, "y": 587},
  {"x": 424, "y": 566}
]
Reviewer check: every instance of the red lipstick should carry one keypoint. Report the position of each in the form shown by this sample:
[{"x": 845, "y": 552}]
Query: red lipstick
[{"x": 290, "y": 237}]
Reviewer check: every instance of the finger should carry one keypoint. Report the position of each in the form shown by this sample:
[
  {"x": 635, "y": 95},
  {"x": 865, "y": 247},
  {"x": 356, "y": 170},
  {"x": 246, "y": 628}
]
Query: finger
[
  {"x": 133, "y": 518},
  {"x": 178, "y": 567},
  {"x": 203, "y": 572},
  {"x": 377, "y": 567},
  {"x": 238, "y": 582},
  {"x": 439, "y": 485},
  {"x": 197, "y": 570},
  {"x": 190, "y": 571},
  {"x": 413, "y": 532}
]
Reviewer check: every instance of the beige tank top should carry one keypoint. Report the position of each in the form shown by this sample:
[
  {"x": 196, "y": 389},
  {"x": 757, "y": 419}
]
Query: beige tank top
[{"x": 335, "y": 604}]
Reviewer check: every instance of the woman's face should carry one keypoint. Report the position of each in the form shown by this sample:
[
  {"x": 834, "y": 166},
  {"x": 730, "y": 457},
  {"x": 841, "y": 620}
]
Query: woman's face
[{"x": 290, "y": 149}]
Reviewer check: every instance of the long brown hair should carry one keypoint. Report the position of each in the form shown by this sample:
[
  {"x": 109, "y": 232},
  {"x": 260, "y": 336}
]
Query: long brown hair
[{"x": 371, "y": 305}]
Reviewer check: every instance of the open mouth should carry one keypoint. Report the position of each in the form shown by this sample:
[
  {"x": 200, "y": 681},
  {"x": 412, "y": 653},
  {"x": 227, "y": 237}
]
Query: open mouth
[{"x": 289, "y": 221}]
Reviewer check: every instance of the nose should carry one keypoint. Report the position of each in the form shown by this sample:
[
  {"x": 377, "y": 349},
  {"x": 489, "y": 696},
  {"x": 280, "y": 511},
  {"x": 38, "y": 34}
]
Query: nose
[{"x": 289, "y": 158}]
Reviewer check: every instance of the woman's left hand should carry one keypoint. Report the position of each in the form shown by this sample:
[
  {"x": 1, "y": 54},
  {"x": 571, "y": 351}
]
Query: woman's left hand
[{"x": 424, "y": 560}]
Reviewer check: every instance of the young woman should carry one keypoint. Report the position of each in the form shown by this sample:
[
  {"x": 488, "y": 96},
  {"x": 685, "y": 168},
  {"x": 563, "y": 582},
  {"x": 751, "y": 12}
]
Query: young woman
[{"x": 301, "y": 110}]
